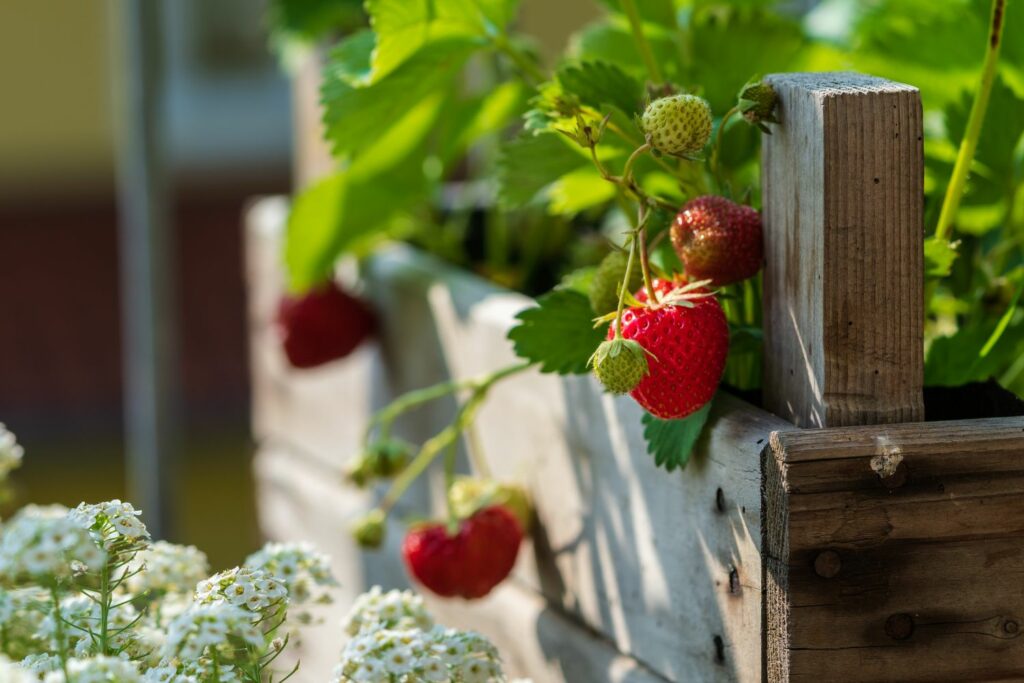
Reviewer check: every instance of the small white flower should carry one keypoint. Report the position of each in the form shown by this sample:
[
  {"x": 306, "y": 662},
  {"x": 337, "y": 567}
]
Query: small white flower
[
  {"x": 112, "y": 523},
  {"x": 14, "y": 673},
  {"x": 97, "y": 670},
  {"x": 253, "y": 590},
  {"x": 11, "y": 454},
  {"x": 169, "y": 568}
]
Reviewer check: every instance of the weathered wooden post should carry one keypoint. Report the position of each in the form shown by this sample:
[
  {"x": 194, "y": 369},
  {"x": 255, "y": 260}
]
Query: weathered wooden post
[
  {"x": 890, "y": 552},
  {"x": 842, "y": 199}
]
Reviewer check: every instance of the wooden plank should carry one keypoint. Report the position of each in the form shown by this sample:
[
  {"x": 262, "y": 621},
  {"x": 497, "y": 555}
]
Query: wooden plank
[
  {"x": 666, "y": 567},
  {"x": 895, "y": 552},
  {"x": 842, "y": 185}
]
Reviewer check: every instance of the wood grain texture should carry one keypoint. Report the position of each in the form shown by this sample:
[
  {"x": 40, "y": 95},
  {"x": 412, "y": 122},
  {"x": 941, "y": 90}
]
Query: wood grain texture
[
  {"x": 910, "y": 576},
  {"x": 842, "y": 180},
  {"x": 664, "y": 568}
]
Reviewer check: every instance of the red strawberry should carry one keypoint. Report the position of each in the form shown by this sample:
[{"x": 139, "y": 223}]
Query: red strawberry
[
  {"x": 687, "y": 347},
  {"x": 469, "y": 563},
  {"x": 322, "y": 325},
  {"x": 718, "y": 240}
]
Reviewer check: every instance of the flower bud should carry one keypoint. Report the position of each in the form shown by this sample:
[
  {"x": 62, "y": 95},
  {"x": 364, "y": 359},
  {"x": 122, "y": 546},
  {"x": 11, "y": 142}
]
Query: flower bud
[{"x": 369, "y": 529}]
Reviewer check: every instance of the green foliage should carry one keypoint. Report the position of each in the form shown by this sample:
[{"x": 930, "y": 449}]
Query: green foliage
[
  {"x": 558, "y": 333},
  {"x": 671, "y": 442},
  {"x": 307, "y": 21}
]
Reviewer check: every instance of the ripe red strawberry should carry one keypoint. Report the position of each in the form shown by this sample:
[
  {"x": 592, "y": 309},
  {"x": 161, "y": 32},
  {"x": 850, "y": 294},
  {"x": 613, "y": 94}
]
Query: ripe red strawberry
[
  {"x": 718, "y": 240},
  {"x": 322, "y": 325},
  {"x": 469, "y": 563},
  {"x": 686, "y": 346}
]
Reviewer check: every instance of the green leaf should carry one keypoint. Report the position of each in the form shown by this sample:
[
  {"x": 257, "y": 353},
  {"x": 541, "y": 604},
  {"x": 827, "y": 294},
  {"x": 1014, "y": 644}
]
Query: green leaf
[
  {"x": 530, "y": 163},
  {"x": 1003, "y": 323},
  {"x": 337, "y": 214},
  {"x": 729, "y": 45},
  {"x": 598, "y": 84},
  {"x": 349, "y": 60},
  {"x": 578, "y": 191},
  {"x": 579, "y": 280},
  {"x": 558, "y": 333},
  {"x": 355, "y": 117},
  {"x": 403, "y": 27},
  {"x": 671, "y": 441},
  {"x": 610, "y": 40},
  {"x": 307, "y": 21},
  {"x": 939, "y": 256}
]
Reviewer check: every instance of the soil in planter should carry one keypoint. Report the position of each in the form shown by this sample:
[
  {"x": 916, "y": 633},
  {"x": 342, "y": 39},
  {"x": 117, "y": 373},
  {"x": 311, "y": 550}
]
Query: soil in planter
[{"x": 971, "y": 401}]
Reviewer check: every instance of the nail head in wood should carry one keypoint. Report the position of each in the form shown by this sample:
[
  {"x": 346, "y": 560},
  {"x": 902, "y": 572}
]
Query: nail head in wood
[
  {"x": 899, "y": 626},
  {"x": 828, "y": 564}
]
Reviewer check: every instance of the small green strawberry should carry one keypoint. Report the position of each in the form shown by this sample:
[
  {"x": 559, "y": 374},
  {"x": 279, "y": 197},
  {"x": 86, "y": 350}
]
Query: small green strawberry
[
  {"x": 679, "y": 125},
  {"x": 368, "y": 531},
  {"x": 757, "y": 103},
  {"x": 619, "y": 364},
  {"x": 468, "y": 495},
  {"x": 604, "y": 288},
  {"x": 381, "y": 459}
]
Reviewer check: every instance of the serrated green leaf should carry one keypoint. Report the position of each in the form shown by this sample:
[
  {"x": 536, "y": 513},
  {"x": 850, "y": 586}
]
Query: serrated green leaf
[
  {"x": 530, "y": 163},
  {"x": 671, "y": 441},
  {"x": 558, "y": 333},
  {"x": 355, "y": 117},
  {"x": 403, "y": 27},
  {"x": 349, "y": 60},
  {"x": 599, "y": 84}
]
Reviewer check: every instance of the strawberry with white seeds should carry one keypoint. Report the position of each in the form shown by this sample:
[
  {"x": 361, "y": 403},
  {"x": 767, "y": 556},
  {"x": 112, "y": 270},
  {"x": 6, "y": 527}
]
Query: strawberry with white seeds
[
  {"x": 679, "y": 125},
  {"x": 718, "y": 240}
]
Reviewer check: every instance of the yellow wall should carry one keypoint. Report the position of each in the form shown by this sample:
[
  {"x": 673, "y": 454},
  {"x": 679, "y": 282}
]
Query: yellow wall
[{"x": 55, "y": 96}]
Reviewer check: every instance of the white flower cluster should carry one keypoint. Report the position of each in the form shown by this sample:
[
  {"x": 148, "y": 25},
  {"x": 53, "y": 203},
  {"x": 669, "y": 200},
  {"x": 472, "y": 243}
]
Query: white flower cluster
[
  {"x": 299, "y": 566},
  {"x": 439, "y": 655},
  {"x": 254, "y": 590},
  {"x": 22, "y": 611},
  {"x": 43, "y": 544},
  {"x": 97, "y": 670},
  {"x": 394, "y": 609},
  {"x": 114, "y": 525},
  {"x": 14, "y": 673},
  {"x": 167, "y": 568},
  {"x": 207, "y": 637},
  {"x": 82, "y": 618},
  {"x": 395, "y": 640},
  {"x": 10, "y": 452}
]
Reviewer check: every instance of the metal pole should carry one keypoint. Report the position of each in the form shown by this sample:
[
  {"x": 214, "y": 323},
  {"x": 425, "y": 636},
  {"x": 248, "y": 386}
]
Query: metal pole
[{"x": 148, "y": 320}]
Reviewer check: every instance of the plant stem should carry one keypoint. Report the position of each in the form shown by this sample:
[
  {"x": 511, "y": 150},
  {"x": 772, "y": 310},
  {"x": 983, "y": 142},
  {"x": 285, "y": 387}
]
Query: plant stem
[
  {"x": 624, "y": 286},
  {"x": 644, "y": 47},
  {"x": 627, "y": 170},
  {"x": 716, "y": 148},
  {"x": 386, "y": 415},
  {"x": 645, "y": 266},
  {"x": 449, "y": 434},
  {"x": 969, "y": 144},
  {"x": 62, "y": 644},
  {"x": 104, "y": 607}
]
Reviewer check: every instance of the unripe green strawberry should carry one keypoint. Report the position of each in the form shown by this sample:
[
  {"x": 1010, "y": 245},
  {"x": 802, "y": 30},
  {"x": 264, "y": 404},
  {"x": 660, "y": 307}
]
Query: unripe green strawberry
[
  {"x": 619, "y": 364},
  {"x": 381, "y": 459},
  {"x": 678, "y": 125},
  {"x": 469, "y": 495},
  {"x": 757, "y": 102},
  {"x": 368, "y": 531},
  {"x": 604, "y": 288}
]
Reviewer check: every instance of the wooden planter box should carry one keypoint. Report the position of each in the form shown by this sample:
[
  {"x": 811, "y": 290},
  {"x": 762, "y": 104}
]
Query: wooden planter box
[{"x": 892, "y": 552}]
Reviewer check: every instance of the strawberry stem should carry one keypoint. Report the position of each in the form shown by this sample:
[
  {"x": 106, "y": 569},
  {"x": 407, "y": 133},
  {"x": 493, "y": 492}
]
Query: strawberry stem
[
  {"x": 627, "y": 170},
  {"x": 447, "y": 436},
  {"x": 645, "y": 265},
  {"x": 969, "y": 144},
  {"x": 716, "y": 168},
  {"x": 642, "y": 46},
  {"x": 624, "y": 285}
]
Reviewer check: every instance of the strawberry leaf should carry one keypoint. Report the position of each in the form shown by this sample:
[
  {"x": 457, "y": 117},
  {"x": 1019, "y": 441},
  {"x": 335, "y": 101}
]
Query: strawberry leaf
[
  {"x": 598, "y": 84},
  {"x": 530, "y": 163},
  {"x": 558, "y": 333},
  {"x": 671, "y": 441}
]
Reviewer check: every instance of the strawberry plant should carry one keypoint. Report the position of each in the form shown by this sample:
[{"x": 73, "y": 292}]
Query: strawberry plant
[{"x": 636, "y": 155}]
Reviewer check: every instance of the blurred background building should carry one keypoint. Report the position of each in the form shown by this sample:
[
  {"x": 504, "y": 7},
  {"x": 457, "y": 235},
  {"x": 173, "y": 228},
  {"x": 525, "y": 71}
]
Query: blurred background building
[{"x": 227, "y": 132}]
